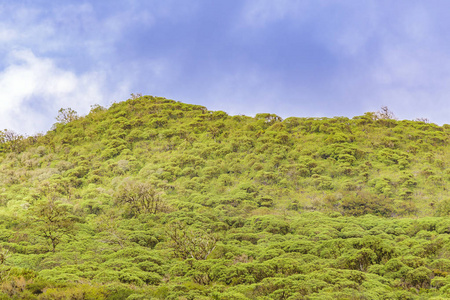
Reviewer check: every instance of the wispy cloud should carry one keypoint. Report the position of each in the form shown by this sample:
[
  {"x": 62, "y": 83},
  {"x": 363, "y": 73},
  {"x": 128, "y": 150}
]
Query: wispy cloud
[
  {"x": 34, "y": 88},
  {"x": 59, "y": 56},
  {"x": 387, "y": 53},
  {"x": 303, "y": 58}
]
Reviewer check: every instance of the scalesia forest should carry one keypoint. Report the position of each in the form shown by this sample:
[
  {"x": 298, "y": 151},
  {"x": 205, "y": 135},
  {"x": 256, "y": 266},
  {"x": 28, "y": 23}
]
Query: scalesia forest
[{"x": 156, "y": 199}]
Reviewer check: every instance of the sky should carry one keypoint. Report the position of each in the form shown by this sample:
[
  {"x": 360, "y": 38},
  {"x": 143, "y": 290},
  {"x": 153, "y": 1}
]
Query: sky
[{"x": 302, "y": 58}]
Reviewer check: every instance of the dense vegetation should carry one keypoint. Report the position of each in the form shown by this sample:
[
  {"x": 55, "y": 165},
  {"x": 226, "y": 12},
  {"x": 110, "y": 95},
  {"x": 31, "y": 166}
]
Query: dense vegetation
[{"x": 156, "y": 199}]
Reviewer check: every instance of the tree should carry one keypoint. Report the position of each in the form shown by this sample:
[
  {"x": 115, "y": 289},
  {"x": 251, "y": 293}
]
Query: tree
[
  {"x": 361, "y": 203},
  {"x": 53, "y": 221},
  {"x": 140, "y": 197},
  {"x": 190, "y": 243},
  {"x": 424, "y": 120},
  {"x": 135, "y": 96},
  {"x": 109, "y": 224},
  {"x": 11, "y": 140},
  {"x": 3, "y": 255},
  {"x": 66, "y": 115},
  {"x": 385, "y": 114}
]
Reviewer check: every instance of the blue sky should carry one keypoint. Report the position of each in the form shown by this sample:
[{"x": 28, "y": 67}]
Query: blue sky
[{"x": 304, "y": 58}]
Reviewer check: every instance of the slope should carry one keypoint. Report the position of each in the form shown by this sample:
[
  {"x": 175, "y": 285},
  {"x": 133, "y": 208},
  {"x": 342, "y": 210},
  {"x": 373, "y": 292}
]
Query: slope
[{"x": 161, "y": 198}]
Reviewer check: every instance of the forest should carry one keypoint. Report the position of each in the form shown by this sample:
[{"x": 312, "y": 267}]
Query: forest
[{"x": 152, "y": 198}]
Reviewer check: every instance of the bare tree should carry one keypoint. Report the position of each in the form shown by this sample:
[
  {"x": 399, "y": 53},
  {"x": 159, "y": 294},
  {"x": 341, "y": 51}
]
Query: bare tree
[
  {"x": 385, "y": 114},
  {"x": 140, "y": 197},
  {"x": 425, "y": 120},
  {"x": 190, "y": 243},
  {"x": 135, "y": 96}
]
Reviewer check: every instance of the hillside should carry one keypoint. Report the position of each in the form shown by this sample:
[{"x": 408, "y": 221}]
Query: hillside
[{"x": 157, "y": 199}]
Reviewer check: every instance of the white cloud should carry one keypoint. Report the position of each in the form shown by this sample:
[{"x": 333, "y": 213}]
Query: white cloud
[
  {"x": 69, "y": 27},
  {"x": 59, "y": 55},
  {"x": 32, "y": 89},
  {"x": 385, "y": 54}
]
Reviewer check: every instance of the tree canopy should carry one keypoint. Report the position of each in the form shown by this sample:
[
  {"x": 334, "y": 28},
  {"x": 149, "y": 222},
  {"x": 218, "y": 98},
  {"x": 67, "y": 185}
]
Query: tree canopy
[{"x": 152, "y": 198}]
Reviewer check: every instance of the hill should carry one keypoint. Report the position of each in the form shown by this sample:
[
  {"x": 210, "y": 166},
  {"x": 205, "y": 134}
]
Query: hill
[{"x": 153, "y": 198}]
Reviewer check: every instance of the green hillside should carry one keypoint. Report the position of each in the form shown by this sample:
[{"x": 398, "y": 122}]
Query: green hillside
[{"x": 157, "y": 199}]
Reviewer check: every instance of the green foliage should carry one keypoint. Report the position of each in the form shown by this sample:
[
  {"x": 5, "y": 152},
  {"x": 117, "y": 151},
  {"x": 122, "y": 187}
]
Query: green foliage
[
  {"x": 66, "y": 115},
  {"x": 361, "y": 203},
  {"x": 156, "y": 199},
  {"x": 53, "y": 221}
]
